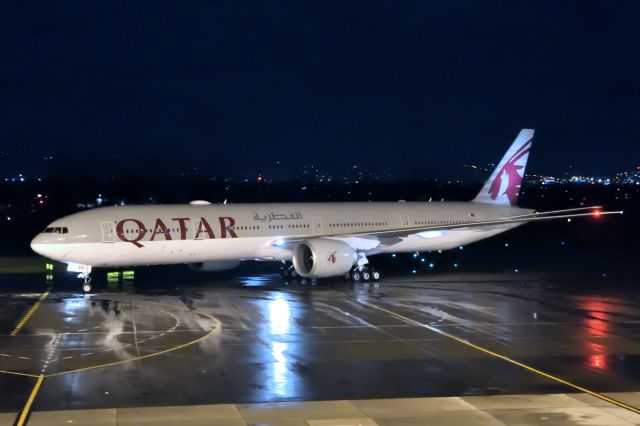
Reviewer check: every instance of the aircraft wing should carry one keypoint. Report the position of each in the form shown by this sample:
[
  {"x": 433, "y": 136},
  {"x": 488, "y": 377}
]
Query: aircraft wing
[{"x": 406, "y": 231}]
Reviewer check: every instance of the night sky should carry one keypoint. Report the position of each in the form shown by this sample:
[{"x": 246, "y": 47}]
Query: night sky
[{"x": 407, "y": 88}]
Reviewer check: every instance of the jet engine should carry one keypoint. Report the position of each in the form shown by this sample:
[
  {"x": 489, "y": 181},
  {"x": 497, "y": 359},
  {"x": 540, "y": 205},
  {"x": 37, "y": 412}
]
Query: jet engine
[
  {"x": 322, "y": 257},
  {"x": 216, "y": 265}
]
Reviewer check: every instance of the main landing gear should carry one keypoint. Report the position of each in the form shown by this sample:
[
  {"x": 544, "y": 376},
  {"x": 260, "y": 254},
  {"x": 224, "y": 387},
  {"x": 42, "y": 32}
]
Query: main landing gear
[
  {"x": 362, "y": 271},
  {"x": 288, "y": 271},
  {"x": 364, "y": 274}
]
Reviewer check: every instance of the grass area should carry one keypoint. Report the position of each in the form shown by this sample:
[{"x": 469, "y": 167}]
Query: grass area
[{"x": 22, "y": 264}]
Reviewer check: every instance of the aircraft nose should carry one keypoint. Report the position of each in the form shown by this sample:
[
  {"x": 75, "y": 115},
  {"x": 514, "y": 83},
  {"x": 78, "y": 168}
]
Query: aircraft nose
[{"x": 37, "y": 245}]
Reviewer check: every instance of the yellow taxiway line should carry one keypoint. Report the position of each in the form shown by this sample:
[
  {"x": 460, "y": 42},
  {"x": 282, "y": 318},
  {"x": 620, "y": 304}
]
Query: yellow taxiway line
[
  {"x": 32, "y": 397},
  {"x": 29, "y": 313},
  {"x": 505, "y": 358}
]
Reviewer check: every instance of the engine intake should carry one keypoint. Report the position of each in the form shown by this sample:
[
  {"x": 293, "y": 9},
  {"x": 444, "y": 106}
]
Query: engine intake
[{"x": 322, "y": 257}]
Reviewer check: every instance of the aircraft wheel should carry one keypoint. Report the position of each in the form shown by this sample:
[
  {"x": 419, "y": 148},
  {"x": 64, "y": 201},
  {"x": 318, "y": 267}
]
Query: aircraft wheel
[
  {"x": 347, "y": 276},
  {"x": 355, "y": 276},
  {"x": 284, "y": 273},
  {"x": 294, "y": 274},
  {"x": 375, "y": 275},
  {"x": 366, "y": 275},
  {"x": 86, "y": 287}
]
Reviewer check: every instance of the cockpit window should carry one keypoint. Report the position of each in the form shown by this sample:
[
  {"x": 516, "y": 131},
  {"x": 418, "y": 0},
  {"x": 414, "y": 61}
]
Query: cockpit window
[{"x": 57, "y": 230}]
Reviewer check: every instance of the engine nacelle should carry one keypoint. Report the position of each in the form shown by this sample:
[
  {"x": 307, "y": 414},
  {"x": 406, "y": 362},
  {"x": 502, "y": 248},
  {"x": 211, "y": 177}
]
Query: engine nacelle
[
  {"x": 216, "y": 265},
  {"x": 322, "y": 257}
]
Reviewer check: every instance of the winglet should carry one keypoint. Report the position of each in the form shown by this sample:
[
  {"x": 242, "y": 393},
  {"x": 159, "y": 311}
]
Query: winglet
[{"x": 503, "y": 187}]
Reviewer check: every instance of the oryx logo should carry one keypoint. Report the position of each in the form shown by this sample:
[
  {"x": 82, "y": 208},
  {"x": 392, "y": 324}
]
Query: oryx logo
[
  {"x": 508, "y": 179},
  {"x": 332, "y": 257}
]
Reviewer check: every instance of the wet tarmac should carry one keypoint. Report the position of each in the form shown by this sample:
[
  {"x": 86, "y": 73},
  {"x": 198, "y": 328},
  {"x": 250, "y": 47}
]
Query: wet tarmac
[{"x": 143, "y": 341}]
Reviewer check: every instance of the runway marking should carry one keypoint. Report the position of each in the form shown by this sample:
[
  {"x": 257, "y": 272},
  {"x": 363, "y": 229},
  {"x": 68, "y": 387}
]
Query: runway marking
[
  {"x": 32, "y": 397},
  {"x": 214, "y": 328},
  {"x": 17, "y": 373},
  {"x": 29, "y": 313},
  {"x": 506, "y": 358},
  {"x": 54, "y": 346}
]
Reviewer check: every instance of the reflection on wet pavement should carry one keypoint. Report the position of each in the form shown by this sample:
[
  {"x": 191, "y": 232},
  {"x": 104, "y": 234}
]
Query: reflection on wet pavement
[{"x": 269, "y": 341}]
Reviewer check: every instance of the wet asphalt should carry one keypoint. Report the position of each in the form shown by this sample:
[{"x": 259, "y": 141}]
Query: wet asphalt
[{"x": 165, "y": 339}]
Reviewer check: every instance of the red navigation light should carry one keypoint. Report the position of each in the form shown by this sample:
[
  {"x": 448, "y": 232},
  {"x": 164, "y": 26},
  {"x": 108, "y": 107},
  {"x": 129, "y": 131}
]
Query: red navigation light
[
  {"x": 597, "y": 213},
  {"x": 260, "y": 178}
]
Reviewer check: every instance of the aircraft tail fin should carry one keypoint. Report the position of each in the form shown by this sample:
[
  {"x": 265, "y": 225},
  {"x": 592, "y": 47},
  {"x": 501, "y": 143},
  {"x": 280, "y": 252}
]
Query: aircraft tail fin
[{"x": 503, "y": 187}]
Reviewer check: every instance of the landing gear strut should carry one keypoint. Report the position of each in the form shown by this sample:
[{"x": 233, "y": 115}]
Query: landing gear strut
[
  {"x": 86, "y": 286},
  {"x": 362, "y": 271},
  {"x": 364, "y": 274},
  {"x": 288, "y": 271},
  {"x": 84, "y": 273}
]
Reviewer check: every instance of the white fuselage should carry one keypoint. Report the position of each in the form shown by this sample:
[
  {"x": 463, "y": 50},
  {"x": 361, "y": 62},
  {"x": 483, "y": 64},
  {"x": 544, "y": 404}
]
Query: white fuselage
[{"x": 172, "y": 234}]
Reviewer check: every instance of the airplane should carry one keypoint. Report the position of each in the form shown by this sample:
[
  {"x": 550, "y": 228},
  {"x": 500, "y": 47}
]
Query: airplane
[{"x": 319, "y": 239}]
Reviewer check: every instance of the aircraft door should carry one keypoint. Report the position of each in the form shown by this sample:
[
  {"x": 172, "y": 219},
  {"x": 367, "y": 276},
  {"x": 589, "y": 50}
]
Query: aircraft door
[
  {"x": 317, "y": 225},
  {"x": 404, "y": 221},
  {"x": 108, "y": 232}
]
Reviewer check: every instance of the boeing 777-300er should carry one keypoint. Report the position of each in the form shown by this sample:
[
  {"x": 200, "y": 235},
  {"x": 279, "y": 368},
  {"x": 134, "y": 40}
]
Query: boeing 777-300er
[{"x": 320, "y": 239}]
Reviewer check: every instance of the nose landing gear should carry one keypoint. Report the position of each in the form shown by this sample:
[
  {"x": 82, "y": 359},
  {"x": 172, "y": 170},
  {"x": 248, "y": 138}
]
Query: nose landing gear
[
  {"x": 84, "y": 273},
  {"x": 86, "y": 286}
]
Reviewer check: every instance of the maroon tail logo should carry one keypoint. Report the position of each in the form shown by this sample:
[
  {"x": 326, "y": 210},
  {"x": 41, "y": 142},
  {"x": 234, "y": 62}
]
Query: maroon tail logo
[
  {"x": 332, "y": 257},
  {"x": 511, "y": 172}
]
